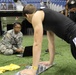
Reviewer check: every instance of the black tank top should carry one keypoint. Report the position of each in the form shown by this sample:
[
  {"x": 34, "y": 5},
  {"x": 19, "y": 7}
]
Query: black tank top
[{"x": 56, "y": 22}]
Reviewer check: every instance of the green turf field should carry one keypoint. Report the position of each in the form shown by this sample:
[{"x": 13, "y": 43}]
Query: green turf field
[{"x": 65, "y": 63}]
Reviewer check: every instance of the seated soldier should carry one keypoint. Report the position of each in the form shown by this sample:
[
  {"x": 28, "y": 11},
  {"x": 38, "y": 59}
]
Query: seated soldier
[{"x": 11, "y": 42}]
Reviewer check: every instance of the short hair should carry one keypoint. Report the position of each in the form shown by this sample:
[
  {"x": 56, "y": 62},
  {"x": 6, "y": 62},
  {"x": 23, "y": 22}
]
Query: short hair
[
  {"x": 29, "y": 9},
  {"x": 16, "y": 24}
]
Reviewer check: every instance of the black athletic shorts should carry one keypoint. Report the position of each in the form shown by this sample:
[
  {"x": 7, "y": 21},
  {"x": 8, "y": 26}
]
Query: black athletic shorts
[{"x": 73, "y": 48}]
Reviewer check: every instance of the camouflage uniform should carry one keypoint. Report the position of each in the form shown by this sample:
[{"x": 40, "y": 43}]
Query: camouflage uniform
[{"x": 10, "y": 42}]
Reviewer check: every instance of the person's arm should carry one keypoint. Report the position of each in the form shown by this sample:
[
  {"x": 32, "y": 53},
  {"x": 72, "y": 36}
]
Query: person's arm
[
  {"x": 66, "y": 10},
  {"x": 6, "y": 40},
  {"x": 38, "y": 35},
  {"x": 19, "y": 41},
  {"x": 51, "y": 46}
]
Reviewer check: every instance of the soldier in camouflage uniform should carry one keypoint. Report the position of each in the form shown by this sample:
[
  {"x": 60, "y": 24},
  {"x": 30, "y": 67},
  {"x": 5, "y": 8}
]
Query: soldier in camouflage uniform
[{"x": 12, "y": 41}]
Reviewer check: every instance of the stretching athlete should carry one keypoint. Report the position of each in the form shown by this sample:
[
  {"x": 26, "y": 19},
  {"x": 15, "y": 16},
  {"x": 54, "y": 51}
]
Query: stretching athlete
[{"x": 52, "y": 22}]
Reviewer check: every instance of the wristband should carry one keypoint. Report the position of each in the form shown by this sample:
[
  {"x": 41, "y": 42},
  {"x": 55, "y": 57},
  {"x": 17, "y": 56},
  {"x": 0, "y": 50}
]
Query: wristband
[{"x": 34, "y": 67}]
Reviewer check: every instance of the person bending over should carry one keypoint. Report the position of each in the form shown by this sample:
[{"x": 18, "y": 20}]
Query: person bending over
[{"x": 54, "y": 23}]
